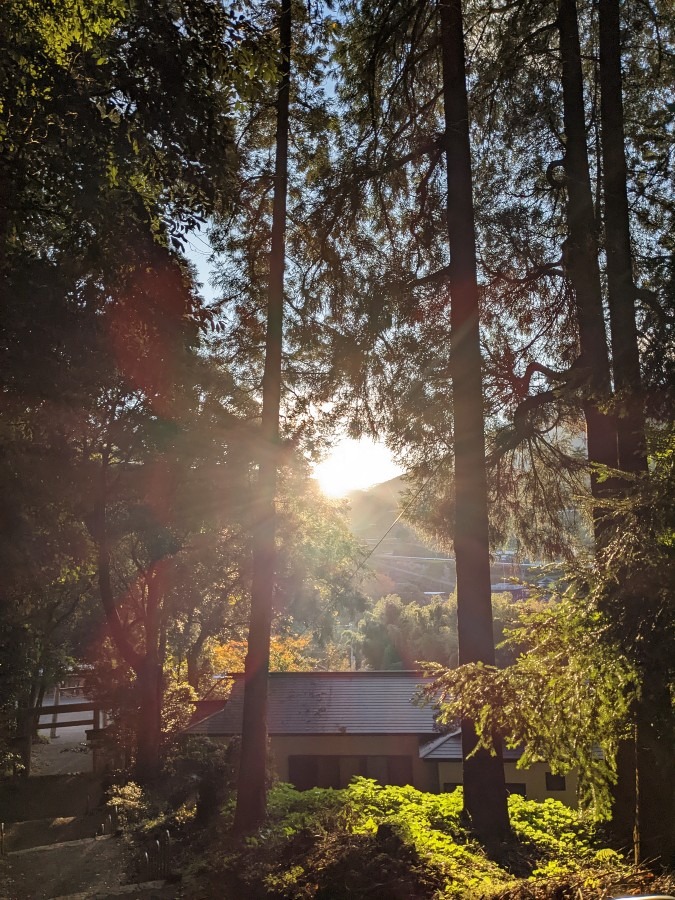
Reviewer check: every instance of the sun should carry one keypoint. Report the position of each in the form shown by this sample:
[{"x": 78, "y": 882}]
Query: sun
[{"x": 355, "y": 465}]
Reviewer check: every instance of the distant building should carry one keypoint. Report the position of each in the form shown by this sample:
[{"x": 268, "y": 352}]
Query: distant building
[{"x": 517, "y": 591}]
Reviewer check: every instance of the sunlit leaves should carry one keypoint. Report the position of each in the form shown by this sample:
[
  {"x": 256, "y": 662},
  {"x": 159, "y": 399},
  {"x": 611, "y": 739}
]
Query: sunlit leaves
[{"x": 564, "y": 701}]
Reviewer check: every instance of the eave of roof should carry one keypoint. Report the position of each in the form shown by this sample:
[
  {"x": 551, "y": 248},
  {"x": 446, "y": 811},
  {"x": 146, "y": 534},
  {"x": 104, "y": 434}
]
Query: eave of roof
[
  {"x": 427, "y": 749},
  {"x": 448, "y": 748},
  {"x": 205, "y": 708}
]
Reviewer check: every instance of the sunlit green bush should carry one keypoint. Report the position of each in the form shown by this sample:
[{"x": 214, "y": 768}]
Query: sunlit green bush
[
  {"x": 398, "y": 839},
  {"x": 130, "y": 801}
]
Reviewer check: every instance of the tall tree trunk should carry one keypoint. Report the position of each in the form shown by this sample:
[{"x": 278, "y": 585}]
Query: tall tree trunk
[
  {"x": 620, "y": 284},
  {"x": 149, "y": 729},
  {"x": 582, "y": 261},
  {"x": 27, "y": 718},
  {"x": 484, "y": 784},
  {"x": 193, "y": 658},
  {"x": 251, "y": 788},
  {"x": 98, "y": 529},
  {"x": 149, "y": 683},
  {"x": 146, "y": 666},
  {"x": 644, "y": 807}
]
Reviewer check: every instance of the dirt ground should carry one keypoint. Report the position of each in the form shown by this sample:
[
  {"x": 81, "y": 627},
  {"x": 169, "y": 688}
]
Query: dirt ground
[
  {"x": 61, "y": 756},
  {"x": 51, "y": 820},
  {"x": 53, "y": 823},
  {"x": 66, "y": 752},
  {"x": 60, "y": 870}
]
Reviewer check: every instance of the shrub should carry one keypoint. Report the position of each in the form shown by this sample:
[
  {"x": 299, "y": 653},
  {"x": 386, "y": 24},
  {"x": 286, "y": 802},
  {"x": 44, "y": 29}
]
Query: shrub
[
  {"x": 397, "y": 842},
  {"x": 552, "y": 829},
  {"x": 130, "y": 802}
]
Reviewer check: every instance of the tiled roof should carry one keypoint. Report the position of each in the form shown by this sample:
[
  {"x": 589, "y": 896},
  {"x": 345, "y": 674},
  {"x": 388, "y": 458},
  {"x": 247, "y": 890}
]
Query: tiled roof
[
  {"x": 449, "y": 747},
  {"x": 330, "y": 703}
]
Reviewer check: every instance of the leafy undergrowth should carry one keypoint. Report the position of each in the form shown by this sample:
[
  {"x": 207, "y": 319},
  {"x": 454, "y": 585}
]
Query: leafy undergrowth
[{"x": 396, "y": 843}]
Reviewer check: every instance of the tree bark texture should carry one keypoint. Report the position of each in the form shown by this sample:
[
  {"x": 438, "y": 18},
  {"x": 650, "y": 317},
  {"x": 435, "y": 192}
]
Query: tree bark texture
[
  {"x": 626, "y": 818},
  {"x": 251, "y": 787},
  {"x": 655, "y": 732},
  {"x": 582, "y": 260},
  {"x": 149, "y": 682},
  {"x": 194, "y": 660},
  {"x": 98, "y": 528},
  {"x": 484, "y": 784},
  {"x": 620, "y": 283},
  {"x": 643, "y": 807}
]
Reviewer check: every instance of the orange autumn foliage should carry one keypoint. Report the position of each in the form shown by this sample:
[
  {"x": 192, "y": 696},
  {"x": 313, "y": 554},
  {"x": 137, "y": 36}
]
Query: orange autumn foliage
[{"x": 287, "y": 654}]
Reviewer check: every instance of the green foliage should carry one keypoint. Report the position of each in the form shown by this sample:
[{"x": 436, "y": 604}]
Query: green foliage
[
  {"x": 178, "y": 705},
  {"x": 543, "y": 703},
  {"x": 581, "y": 662},
  {"x": 317, "y": 555},
  {"x": 291, "y": 811},
  {"x": 385, "y": 841},
  {"x": 633, "y": 579},
  {"x": 242, "y": 237},
  {"x": 396, "y": 634},
  {"x": 558, "y": 834},
  {"x": 202, "y": 771},
  {"x": 131, "y": 803},
  {"x": 132, "y": 103},
  {"x": 430, "y": 823},
  {"x": 116, "y": 139}
]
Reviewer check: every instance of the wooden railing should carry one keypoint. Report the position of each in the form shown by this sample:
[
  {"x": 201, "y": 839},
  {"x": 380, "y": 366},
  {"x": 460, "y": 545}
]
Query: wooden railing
[{"x": 96, "y": 719}]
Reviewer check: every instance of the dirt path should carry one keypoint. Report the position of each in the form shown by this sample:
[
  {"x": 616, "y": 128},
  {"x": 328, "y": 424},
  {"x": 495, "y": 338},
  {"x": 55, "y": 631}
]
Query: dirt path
[
  {"x": 53, "y": 838},
  {"x": 65, "y": 754},
  {"x": 59, "y": 870},
  {"x": 76, "y": 868}
]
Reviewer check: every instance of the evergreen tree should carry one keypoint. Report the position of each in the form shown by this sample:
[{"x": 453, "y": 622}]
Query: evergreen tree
[
  {"x": 251, "y": 783},
  {"x": 483, "y": 772},
  {"x": 388, "y": 255}
]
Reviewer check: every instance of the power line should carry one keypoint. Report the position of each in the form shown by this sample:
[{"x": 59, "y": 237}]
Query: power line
[{"x": 396, "y": 520}]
